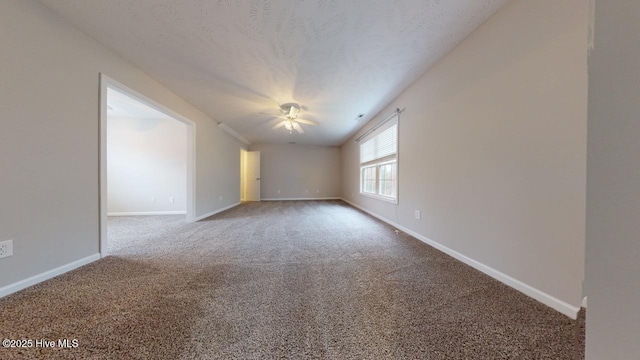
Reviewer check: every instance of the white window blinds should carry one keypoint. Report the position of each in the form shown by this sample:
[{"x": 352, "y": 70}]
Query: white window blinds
[{"x": 380, "y": 146}]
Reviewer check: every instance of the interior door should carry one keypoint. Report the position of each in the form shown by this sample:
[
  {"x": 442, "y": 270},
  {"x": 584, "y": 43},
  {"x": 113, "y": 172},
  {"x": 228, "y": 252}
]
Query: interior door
[{"x": 252, "y": 176}]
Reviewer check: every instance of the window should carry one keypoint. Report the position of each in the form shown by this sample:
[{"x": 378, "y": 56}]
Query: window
[
  {"x": 379, "y": 164},
  {"x": 369, "y": 179},
  {"x": 387, "y": 180}
]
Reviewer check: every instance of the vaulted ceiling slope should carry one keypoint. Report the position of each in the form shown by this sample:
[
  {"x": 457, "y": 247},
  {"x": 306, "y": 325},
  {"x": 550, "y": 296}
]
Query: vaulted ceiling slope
[{"x": 236, "y": 59}]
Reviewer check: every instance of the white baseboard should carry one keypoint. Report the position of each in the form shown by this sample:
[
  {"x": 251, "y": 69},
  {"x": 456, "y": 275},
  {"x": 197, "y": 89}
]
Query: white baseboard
[
  {"x": 215, "y": 212},
  {"x": 549, "y": 300},
  {"x": 139, "y": 213},
  {"x": 23, "y": 284},
  {"x": 293, "y": 199}
]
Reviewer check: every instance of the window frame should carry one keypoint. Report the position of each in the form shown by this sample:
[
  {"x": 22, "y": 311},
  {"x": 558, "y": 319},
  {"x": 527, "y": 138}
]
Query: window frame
[
  {"x": 379, "y": 179},
  {"x": 377, "y": 163},
  {"x": 377, "y": 195},
  {"x": 362, "y": 179}
]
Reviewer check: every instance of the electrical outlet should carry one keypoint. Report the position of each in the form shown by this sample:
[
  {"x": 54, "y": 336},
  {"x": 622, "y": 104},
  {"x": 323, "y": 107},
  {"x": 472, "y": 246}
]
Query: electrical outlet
[
  {"x": 153, "y": 200},
  {"x": 170, "y": 199},
  {"x": 307, "y": 191},
  {"x": 220, "y": 198},
  {"x": 417, "y": 214},
  {"x": 6, "y": 249},
  {"x": 278, "y": 191},
  {"x": 318, "y": 191}
]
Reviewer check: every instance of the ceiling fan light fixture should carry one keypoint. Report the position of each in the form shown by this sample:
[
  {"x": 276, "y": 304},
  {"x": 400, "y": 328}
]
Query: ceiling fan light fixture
[
  {"x": 290, "y": 110},
  {"x": 290, "y": 121},
  {"x": 293, "y": 112}
]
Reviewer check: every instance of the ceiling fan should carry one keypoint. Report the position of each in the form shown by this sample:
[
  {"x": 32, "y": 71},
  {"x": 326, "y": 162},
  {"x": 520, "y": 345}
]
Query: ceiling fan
[{"x": 290, "y": 119}]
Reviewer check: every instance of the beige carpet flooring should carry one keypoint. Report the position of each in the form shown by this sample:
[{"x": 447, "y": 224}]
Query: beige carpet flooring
[{"x": 274, "y": 280}]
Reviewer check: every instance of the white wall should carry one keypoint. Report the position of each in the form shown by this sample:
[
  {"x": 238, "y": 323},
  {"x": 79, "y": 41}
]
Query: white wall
[
  {"x": 493, "y": 149},
  {"x": 613, "y": 184},
  {"x": 146, "y": 159},
  {"x": 290, "y": 171},
  {"x": 49, "y": 140}
]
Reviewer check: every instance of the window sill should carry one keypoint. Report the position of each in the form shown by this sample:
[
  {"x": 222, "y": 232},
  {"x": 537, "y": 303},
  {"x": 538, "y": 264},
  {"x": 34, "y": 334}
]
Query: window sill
[{"x": 378, "y": 197}]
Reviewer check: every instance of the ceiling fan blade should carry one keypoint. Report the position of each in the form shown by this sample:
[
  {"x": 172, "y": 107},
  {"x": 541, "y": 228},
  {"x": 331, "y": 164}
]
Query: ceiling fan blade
[
  {"x": 264, "y": 113},
  {"x": 307, "y": 122},
  {"x": 279, "y": 125},
  {"x": 298, "y": 128},
  {"x": 275, "y": 116},
  {"x": 268, "y": 122}
]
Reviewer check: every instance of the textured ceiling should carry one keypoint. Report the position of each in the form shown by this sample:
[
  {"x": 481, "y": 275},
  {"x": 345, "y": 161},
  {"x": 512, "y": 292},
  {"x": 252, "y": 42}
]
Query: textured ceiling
[{"x": 236, "y": 59}]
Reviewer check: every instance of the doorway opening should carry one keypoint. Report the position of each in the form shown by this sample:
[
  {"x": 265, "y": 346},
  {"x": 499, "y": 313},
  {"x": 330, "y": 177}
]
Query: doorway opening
[{"x": 147, "y": 166}]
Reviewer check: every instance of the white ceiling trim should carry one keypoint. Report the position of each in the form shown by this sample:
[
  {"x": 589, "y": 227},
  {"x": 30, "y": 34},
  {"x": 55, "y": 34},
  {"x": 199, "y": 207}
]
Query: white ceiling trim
[{"x": 234, "y": 133}]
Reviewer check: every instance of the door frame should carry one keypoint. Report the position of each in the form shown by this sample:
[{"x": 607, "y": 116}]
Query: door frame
[{"x": 105, "y": 83}]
